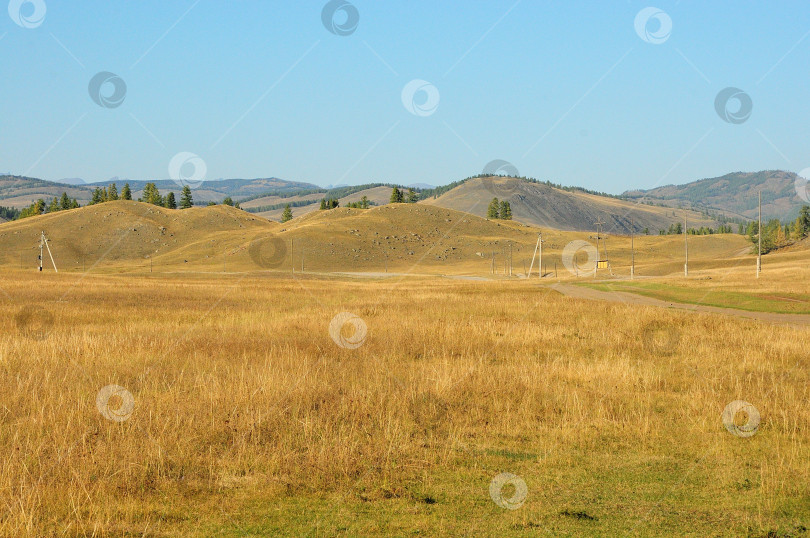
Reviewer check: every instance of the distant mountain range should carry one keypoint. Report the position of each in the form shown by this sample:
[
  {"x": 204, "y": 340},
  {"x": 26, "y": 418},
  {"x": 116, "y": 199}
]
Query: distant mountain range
[
  {"x": 734, "y": 195},
  {"x": 731, "y": 197},
  {"x": 19, "y": 192}
]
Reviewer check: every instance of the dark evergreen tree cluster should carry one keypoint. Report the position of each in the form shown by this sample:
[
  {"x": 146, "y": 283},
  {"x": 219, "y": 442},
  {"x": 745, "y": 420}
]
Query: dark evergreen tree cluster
[
  {"x": 363, "y": 203},
  {"x": 39, "y": 207},
  {"x": 9, "y": 213},
  {"x": 331, "y": 203},
  {"x": 397, "y": 197},
  {"x": 501, "y": 210}
]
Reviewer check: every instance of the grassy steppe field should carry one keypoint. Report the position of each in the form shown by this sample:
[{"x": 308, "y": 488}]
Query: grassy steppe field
[{"x": 248, "y": 417}]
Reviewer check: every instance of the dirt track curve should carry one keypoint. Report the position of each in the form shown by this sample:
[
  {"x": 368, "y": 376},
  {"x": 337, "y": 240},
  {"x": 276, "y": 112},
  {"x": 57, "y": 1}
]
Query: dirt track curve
[{"x": 579, "y": 292}]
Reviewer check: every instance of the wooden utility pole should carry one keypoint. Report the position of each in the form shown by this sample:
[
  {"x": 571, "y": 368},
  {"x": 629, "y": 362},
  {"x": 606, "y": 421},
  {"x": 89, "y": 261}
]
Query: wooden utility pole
[
  {"x": 538, "y": 247},
  {"x": 43, "y": 241},
  {"x": 540, "y": 259},
  {"x": 759, "y": 237},
  {"x": 685, "y": 247},
  {"x": 599, "y": 224},
  {"x": 632, "y": 251}
]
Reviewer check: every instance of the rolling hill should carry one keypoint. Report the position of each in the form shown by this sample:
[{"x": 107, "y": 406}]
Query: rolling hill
[
  {"x": 127, "y": 236},
  {"x": 734, "y": 194},
  {"x": 543, "y": 205},
  {"x": 376, "y": 195}
]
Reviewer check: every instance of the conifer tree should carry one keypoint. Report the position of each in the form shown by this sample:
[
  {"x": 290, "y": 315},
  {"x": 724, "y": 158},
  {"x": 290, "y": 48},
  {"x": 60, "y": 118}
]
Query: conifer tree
[
  {"x": 286, "y": 215},
  {"x": 506, "y": 210},
  {"x": 151, "y": 195},
  {"x": 97, "y": 197},
  {"x": 186, "y": 200},
  {"x": 493, "y": 209}
]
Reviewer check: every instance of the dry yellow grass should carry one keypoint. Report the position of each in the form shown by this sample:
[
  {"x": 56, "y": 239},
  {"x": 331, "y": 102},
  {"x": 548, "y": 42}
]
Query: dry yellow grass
[{"x": 249, "y": 419}]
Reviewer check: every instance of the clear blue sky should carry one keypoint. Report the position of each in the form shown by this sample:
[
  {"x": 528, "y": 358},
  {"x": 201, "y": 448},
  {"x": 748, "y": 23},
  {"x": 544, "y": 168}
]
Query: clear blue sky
[{"x": 566, "y": 91}]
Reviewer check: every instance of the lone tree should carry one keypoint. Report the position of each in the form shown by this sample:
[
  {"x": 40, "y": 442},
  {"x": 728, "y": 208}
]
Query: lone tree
[
  {"x": 493, "y": 209},
  {"x": 186, "y": 201},
  {"x": 506, "y": 210},
  {"x": 396, "y": 196},
  {"x": 228, "y": 201},
  {"x": 364, "y": 203},
  {"x": 170, "y": 201},
  {"x": 126, "y": 193},
  {"x": 412, "y": 196},
  {"x": 286, "y": 215}
]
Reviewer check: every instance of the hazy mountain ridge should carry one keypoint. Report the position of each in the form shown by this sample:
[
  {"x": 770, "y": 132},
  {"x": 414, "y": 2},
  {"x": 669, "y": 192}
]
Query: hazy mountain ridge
[
  {"x": 736, "y": 194},
  {"x": 733, "y": 195},
  {"x": 20, "y": 191}
]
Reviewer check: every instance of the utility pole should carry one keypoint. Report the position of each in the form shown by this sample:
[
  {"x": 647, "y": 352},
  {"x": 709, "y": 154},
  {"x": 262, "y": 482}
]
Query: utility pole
[
  {"x": 540, "y": 259},
  {"x": 759, "y": 237},
  {"x": 43, "y": 242},
  {"x": 685, "y": 247},
  {"x": 537, "y": 247},
  {"x": 632, "y": 251},
  {"x": 599, "y": 224}
]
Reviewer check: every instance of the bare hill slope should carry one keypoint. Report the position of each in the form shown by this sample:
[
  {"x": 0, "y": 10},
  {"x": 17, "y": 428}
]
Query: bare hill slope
[{"x": 542, "y": 205}]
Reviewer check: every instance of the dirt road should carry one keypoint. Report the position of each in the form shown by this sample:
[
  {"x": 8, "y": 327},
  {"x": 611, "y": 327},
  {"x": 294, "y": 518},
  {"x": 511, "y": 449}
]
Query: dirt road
[{"x": 580, "y": 292}]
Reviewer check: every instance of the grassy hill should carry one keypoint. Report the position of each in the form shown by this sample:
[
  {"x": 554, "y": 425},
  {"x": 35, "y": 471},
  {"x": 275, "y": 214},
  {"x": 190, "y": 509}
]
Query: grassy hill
[
  {"x": 272, "y": 206},
  {"x": 543, "y": 205},
  {"x": 127, "y": 236},
  {"x": 735, "y": 194},
  {"x": 126, "y": 233}
]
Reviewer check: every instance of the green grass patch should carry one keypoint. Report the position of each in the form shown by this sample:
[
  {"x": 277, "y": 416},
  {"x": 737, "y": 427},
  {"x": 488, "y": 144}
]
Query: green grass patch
[{"x": 783, "y": 303}]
